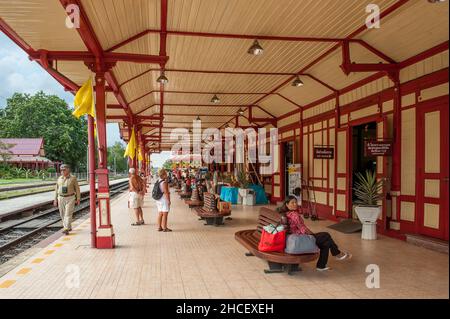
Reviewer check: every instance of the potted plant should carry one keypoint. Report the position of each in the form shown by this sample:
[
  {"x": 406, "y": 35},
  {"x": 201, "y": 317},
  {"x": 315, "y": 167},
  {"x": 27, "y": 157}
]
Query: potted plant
[{"x": 368, "y": 192}]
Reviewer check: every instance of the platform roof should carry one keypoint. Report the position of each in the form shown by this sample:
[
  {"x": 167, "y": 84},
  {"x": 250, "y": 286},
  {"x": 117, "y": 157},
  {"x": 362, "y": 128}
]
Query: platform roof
[{"x": 206, "y": 43}]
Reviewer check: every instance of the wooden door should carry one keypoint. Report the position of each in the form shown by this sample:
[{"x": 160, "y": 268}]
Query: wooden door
[{"x": 432, "y": 164}]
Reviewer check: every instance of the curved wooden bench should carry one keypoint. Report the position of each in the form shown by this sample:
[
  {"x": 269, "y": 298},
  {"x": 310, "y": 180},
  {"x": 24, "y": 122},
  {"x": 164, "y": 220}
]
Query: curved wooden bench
[
  {"x": 185, "y": 195},
  {"x": 278, "y": 261},
  {"x": 212, "y": 217},
  {"x": 193, "y": 203}
]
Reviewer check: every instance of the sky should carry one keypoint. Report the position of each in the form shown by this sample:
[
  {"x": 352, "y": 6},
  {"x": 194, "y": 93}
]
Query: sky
[{"x": 19, "y": 74}]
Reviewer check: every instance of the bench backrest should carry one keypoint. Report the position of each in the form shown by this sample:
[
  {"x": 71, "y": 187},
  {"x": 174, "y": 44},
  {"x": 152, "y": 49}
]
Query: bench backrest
[{"x": 266, "y": 217}]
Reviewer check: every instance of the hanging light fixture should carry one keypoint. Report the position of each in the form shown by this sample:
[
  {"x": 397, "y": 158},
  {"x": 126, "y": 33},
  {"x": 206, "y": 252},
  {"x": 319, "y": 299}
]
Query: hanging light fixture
[
  {"x": 198, "y": 118},
  {"x": 297, "y": 82},
  {"x": 215, "y": 99},
  {"x": 241, "y": 111},
  {"x": 162, "y": 79},
  {"x": 256, "y": 49}
]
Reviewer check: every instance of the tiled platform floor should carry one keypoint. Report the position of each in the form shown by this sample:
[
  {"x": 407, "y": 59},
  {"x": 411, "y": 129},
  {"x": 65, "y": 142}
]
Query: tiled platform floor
[{"x": 197, "y": 261}]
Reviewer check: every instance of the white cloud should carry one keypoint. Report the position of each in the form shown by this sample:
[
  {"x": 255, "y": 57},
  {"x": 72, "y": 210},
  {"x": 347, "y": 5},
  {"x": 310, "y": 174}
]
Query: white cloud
[{"x": 19, "y": 74}]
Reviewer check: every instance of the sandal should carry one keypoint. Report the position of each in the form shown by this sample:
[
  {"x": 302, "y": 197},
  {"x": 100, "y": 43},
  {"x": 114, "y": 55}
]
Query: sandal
[
  {"x": 160, "y": 229},
  {"x": 167, "y": 230},
  {"x": 135, "y": 224},
  {"x": 142, "y": 223}
]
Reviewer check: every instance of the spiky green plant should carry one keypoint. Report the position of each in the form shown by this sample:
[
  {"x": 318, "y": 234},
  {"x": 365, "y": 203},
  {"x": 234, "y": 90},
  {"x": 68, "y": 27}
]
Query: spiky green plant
[
  {"x": 367, "y": 189},
  {"x": 242, "y": 179}
]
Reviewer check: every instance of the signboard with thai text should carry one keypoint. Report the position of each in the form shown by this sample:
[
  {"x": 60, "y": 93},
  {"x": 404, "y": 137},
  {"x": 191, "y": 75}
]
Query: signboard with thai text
[
  {"x": 323, "y": 153},
  {"x": 378, "y": 148}
]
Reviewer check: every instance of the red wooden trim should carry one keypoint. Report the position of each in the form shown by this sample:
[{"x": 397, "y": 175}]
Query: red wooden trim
[
  {"x": 225, "y": 36},
  {"x": 425, "y": 54},
  {"x": 10, "y": 33},
  {"x": 320, "y": 117},
  {"x": 319, "y": 101}
]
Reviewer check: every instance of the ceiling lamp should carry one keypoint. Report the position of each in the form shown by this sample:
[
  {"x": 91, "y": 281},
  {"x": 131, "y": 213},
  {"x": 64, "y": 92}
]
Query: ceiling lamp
[
  {"x": 256, "y": 48},
  {"x": 297, "y": 82},
  {"x": 241, "y": 111},
  {"x": 215, "y": 99},
  {"x": 198, "y": 118},
  {"x": 162, "y": 79}
]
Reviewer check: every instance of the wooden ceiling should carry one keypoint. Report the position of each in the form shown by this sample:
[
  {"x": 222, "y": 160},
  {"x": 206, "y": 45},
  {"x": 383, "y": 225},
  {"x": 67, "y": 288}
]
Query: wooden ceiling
[{"x": 207, "y": 42}]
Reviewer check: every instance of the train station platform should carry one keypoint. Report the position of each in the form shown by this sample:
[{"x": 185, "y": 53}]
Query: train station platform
[
  {"x": 197, "y": 261},
  {"x": 8, "y": 206}
]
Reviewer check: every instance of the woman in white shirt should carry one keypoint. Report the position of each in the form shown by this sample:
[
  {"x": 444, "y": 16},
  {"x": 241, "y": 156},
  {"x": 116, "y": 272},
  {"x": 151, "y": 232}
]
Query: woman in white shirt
[{"x": 163, "y": 204}]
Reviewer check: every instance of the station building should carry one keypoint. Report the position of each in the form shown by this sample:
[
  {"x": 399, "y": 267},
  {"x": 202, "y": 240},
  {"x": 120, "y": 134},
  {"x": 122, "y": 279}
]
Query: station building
[
  {"x": 331, "y": 77},
  {"x": 26, "y": 153}
]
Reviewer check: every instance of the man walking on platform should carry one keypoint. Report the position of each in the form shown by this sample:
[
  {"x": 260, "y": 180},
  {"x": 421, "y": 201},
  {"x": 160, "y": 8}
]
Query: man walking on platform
[{"x": 67, "y": 195}]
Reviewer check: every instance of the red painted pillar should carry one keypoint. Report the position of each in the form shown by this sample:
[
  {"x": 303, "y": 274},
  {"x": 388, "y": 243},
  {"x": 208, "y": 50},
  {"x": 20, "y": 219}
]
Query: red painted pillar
[
  {"x": 396, "y": 151},
  {"x": 92, "y": 194},
  {"x": 105, "y": 232}
]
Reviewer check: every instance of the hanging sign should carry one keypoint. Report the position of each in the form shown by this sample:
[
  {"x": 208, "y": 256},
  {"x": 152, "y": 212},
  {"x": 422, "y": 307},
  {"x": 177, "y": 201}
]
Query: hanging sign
[
  {"x": 378, "y": 148},
  {"x": 323, "y": 153}
]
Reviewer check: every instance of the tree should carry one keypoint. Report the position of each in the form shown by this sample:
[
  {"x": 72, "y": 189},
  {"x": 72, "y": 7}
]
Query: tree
[
  {"x": 117, "y": 151},
  {"x": 4, "y": 152},
  {"x": 167, "y": 165},
  {"x": 47, "y": 116}
]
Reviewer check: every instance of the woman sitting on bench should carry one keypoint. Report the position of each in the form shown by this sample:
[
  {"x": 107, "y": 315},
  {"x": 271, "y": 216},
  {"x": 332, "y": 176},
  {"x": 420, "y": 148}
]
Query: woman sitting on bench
[{"x": 293, "y": 222}]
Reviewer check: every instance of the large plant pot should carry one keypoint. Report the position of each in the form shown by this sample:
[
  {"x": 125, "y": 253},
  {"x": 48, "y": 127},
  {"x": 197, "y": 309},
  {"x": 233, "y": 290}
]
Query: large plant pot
[
  {"x": 368, "y": 215},
  {"x": 242, "y": 193}
]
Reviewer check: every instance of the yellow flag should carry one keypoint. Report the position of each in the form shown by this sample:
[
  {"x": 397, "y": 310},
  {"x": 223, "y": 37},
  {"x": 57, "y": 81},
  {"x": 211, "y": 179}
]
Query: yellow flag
[
  {"x": 130, "y": 151},
  {"x": 140, "y": 156},
  {"x": 84, "y": 100}
]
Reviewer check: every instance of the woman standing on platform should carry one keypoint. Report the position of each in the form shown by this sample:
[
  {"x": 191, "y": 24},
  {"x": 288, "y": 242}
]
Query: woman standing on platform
[{"x": 163, "y": 204}]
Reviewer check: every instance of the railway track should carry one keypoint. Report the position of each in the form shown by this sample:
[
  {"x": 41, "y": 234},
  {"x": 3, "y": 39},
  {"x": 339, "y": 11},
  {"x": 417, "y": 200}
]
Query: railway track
[{"x": 21, "y": 234}]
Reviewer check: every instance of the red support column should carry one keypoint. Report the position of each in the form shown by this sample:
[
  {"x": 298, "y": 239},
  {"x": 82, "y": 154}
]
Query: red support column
[
  {"x": 396, "y": 150},
  {"x": 92, "y": 194},
  {"x": 105, "y": 233}
]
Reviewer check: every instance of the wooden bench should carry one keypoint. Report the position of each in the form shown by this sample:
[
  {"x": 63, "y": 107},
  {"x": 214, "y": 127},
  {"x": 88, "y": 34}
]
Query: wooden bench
[
  {"x": 193, "y": 203},
  {"x": 278, "y": 261},
  {"x": 211, "y": 217},
  {"x": 185, "y": 195}
]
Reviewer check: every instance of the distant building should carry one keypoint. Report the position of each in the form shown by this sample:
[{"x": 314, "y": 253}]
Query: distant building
[{"x": 26, "y": 153}]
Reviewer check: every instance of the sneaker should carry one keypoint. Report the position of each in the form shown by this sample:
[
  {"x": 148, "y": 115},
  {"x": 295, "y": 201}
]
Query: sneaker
[
  {"x": 66, "y": 232},
  {"x": 323, "y": 269},
  {"x": 345, "y": 256}
]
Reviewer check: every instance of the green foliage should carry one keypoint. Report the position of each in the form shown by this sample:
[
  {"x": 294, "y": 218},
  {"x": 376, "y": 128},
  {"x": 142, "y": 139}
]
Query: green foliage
[
  {"x": 167, "y": 165},
  {"x": 4, "y": 153},
  {"x": 116, "y": 151},
  {"x": 10, "y": 172},
  {"x": 367, "y": 189},
  {"x": 47, "y": 116},
  {"x": 242, "y": 179}
]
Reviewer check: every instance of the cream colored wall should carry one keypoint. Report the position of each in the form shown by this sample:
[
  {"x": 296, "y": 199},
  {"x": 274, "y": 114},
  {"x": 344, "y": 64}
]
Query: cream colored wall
[
  {"x": 292, "y": 119},
  {"x": 408, "y": 152},
  {"x": 365, "y": 90},
  {"x": 427, "y": 66}
]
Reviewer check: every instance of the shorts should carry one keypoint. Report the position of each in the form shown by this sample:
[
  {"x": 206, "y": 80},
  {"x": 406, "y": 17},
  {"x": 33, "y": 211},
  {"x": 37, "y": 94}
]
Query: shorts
[
  {"x": 136, "y": 200},
  {"x": 162, "y": 205}
]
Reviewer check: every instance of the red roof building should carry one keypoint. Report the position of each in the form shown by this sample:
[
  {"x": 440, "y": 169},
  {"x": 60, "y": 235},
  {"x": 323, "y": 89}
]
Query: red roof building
[{"x": 26, "y": 153}]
